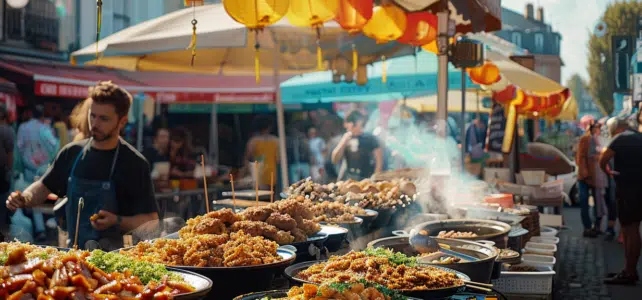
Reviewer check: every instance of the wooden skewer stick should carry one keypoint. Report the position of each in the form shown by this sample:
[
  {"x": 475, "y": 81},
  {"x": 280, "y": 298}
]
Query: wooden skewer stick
[
  {"x": 256, "y": 181},
  {"x": 81, "y": 204},
  {"x": 207, "y": 201},
  {"x": 233, "y": 194},
  {"x": 272, "y": 187}
]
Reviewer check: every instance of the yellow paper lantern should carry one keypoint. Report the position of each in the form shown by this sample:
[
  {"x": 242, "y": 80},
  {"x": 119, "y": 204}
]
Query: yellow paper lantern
[
  {"x": 313, "y": 13},
  {"x": 388, "y": 23},
  {"x": 486, "y": 74},
  {"x": 255, "y": 15}
]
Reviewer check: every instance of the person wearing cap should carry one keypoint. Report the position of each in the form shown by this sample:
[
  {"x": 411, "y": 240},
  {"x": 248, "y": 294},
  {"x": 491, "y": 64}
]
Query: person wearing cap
[
  {"x": 625, "y": 150},
  {"x": 361, "y": 150}
]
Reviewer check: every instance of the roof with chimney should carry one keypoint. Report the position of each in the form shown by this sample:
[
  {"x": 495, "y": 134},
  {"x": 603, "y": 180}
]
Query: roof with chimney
[{"x": 512, "y": 20}]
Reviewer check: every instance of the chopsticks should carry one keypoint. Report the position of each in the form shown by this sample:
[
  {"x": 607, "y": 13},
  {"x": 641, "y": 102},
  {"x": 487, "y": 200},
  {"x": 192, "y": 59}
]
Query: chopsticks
[{"x": 478, "y": 286}]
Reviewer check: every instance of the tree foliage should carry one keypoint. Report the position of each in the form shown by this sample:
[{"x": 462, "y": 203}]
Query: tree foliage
[{"x": 620, "y": 19}]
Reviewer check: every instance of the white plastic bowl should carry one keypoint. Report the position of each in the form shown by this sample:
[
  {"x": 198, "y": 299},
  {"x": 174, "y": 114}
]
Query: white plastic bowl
[
  {"x": 539, "y": 260},
  {"x": 545, "y": 239},
  {"x": 540, "y": 248},
  {"x": 547, "y": 231}
]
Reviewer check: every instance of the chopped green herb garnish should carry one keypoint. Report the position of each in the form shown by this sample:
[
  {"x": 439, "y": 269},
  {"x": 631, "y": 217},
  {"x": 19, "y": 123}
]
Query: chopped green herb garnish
[
  {"x": 396, "y": 258},
  {"x": 3, "y": 258},
  {"x": 114, "y": 262}
]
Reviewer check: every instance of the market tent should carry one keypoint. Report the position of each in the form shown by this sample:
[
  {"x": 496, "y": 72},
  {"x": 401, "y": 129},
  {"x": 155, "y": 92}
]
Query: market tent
[
  {"x": 429, "y": 103},
  {"x": 407, "y": 76}
]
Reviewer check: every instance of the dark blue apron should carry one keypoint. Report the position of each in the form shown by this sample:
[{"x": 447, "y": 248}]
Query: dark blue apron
[{"x": 97, "y": 195}]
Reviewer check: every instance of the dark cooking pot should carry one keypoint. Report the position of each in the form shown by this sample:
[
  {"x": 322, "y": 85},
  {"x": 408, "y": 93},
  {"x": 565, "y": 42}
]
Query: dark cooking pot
[
  {"x": 485, "y": 229},
  {"x": 479, "y": 271}
]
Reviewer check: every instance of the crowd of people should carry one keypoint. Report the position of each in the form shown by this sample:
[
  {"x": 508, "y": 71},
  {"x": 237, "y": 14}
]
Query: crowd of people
[{"x": 610, "y": 171}]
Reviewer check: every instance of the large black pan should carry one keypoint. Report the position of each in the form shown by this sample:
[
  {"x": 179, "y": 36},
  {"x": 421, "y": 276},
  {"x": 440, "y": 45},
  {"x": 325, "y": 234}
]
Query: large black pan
[
  {"x": 485, "y": 229},
  {"x": 274, "y": 295},
  {"x": 292, "y": 271}
]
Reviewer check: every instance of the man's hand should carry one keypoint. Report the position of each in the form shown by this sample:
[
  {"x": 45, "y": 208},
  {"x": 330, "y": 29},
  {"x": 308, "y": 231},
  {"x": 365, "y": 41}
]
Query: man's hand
[
  {"x": 347, "y": 135},
  {"x": 18, "y": 200},
  {"x": 105, "y": 220}
]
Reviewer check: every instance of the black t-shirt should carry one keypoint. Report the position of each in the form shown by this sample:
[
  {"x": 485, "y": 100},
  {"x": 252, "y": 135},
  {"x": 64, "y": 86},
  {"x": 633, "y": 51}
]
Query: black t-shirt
[
  {"x": 153, "y": 156},
  {"x": 359, "y": 157},
  {"x": 132, "y": 178},
  {"x": 628, "y": 157}
]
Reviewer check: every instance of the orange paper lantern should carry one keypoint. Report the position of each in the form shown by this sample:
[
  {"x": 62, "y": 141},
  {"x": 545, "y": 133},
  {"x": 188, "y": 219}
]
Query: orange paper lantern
[
  {"x": 421, "y": 29},
  {"x": 354, "y": 14},
  {"x": 256, "y": 14},
  {"x": 194, "y": 2},
  {"x": 486, "y": 74},
  {"x": 388, "y": 23}
]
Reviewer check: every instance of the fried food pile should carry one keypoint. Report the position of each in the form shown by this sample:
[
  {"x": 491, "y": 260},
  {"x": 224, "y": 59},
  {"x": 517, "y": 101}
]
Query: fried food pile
[
  {"x": 69, "y": 276},
  {"x": 383, "y": 270},
  {"x": 365, "y": 193},
  {"x": 456, "y": 234},
  {"x": 343, "y": 291},
  {"x": 208, "y": 250}
]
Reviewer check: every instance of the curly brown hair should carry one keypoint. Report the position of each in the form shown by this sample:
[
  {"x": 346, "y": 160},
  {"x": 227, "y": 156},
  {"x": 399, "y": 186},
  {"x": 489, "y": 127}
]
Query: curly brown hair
[{"x": 106, "y": 92}]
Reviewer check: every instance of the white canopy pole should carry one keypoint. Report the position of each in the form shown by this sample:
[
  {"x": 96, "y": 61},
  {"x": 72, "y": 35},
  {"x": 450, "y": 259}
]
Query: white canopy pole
[{"x": 280, "y": 119}]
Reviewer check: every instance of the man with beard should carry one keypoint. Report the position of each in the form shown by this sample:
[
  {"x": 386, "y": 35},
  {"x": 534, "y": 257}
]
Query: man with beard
[{"x": 106, "y": 181}]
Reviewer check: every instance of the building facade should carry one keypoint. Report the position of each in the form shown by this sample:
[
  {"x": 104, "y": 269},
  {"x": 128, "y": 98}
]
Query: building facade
[{"x": 530, "y": 32}]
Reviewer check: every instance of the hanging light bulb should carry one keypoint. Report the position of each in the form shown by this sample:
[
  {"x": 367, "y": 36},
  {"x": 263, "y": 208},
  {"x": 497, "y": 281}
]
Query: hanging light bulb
[{"x": 17, "y": 4}]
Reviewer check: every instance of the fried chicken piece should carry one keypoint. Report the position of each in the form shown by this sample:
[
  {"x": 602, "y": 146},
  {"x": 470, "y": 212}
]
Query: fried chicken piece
[
  {"x": 209, "y": 226},
  {"x": 295, "y": 209},
  {"x": 281, "y": 221},
  {"x": 310, "y": 227},
  {"x": 255, "y": 228},
  {"x": 299, "y": 235},
  {"x": 257, "y": 213},
  {"x": 205, "y": 250},
  {"x": 245, "y": 250},
  {"x": 226, "y": 215}
]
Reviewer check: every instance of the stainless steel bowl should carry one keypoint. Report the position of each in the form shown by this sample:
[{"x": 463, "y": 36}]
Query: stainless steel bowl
[{"x": 485, "y": 229}]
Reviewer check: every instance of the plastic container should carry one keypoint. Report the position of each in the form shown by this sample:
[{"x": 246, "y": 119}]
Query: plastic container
[
  {"x": 504, "y": 200},
  {"x": 553, "y": 189},
  {"x": 540, "y": 249},
  {"x": 545, "y": 240},
  {"x": 539, "y": 260},
  {"x": 548, "y": 231},
  {"x": 531, "y": 283}
]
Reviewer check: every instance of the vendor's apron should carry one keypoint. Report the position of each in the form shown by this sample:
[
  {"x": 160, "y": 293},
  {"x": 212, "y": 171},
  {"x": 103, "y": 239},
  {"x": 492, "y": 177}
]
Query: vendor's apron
[{"x": 97, "y": 195}]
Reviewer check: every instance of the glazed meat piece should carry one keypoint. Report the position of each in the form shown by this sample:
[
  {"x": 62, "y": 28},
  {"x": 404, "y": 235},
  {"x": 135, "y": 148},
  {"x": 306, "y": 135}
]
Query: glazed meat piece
[
  {"x": 257, "y": 213},
  {"x": 281, "y": 221}
]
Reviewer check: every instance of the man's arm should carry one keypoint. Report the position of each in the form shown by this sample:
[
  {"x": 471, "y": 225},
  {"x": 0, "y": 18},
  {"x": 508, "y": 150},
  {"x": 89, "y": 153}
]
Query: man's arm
[
  {"x": 337, "y": 153},
  {"x": 130, "y": 223},
  {"x": 605, "y": 157},
  {"x": 378, "y": 154},
  {"x": 34, "y": 195}
]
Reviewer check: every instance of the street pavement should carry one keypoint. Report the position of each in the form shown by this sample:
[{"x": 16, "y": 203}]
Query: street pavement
[{"x": 583, "y": 263}]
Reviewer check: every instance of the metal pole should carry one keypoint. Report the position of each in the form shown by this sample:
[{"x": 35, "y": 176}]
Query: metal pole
[
  {"x": 214, "y": 134},
  {"x": 280, "y": 119},
  {"x": 463, "y": 119},
  {"x": 442, "y": 74}
]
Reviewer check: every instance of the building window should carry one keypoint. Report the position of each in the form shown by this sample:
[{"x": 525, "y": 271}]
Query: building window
[
  {"x": 556, "y": 44},
  {"x": 121, "y": 15},
  {"x": 539, "y": 42},
  {"x": 516, "y": 38}
]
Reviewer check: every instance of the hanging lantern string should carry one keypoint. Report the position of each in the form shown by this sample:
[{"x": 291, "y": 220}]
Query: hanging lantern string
[
  {"x": 355, "y": 58},
  {"x": 257, "y": 63},
  {"x": 319, "y": 52},
  {"x": 384, "y": 78},
  {"x": 192, "y": 43},
  {"x": 99, "y": 21}
]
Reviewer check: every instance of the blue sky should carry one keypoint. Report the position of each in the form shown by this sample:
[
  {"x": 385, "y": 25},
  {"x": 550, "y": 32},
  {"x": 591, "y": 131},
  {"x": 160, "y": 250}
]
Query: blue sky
[{"x": 573, "y": 19}]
